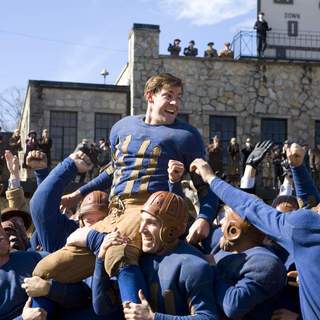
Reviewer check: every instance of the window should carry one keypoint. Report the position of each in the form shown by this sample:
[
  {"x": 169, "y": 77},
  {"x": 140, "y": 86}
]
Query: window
[
  {"x": 274, "y": 129},
  {"x": 103, "y": 124},
  {"x": 184, "y": 117},
  {"x": 63, "y": 131},
  {"x": 317, "y": 133},
  {"x": 225, "y": 129}
]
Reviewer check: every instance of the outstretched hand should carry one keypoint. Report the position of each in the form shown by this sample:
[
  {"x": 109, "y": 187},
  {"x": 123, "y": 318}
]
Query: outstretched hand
[
  {"x": 12, "y": 163},
  {"x": 258, "y": 153}
]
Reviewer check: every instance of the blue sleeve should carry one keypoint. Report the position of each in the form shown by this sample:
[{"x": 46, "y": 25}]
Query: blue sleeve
[
  {"x": 199, "y": 294},
  {"x": 94, "y": 241},
  {"x": 101, "y": 285},
  {"x": 41, "y": 174},
  {"x": 70, "y": 295},
  {"x": 264, "y": 217},
  {"x": 102, "y": 182},
  {"x": 306, "y": 190},
  {"x": 51, "y": 225},
  {"x": 211, "y": 243},
  {"x": 175, "y": 187},
  {"x": 262, "y": 278},
  {"x": 208, "y": 206},
  {"x": 34, "y": 241}
]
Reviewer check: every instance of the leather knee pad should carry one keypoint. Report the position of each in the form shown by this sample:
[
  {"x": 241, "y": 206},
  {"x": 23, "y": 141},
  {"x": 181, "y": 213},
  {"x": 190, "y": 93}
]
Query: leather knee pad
[
  {"x": 120, "y": 256},
  {"x": 67, "y": 265}
]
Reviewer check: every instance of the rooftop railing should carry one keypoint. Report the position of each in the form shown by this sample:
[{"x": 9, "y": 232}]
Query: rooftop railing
[{"x": 280, "y": 45}]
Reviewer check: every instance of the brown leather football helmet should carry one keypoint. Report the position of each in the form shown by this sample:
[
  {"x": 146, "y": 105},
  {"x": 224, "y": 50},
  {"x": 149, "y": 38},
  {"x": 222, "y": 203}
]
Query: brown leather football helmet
[
  {"x": 94, "y": 201},
  {"x": 238, "y": 233},
  {"x": 172, "y": 212}
]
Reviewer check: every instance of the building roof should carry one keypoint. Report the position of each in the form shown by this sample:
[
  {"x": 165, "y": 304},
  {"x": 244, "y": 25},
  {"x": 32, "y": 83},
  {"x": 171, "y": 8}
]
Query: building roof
[{"x": 78, "y": 86}]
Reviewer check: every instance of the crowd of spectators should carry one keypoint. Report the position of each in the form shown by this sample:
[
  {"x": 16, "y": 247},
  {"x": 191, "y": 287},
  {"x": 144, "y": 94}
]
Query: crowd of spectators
[
  {"x": 139, "y": 243},
  {"x": 191, "y": 51},
  {"x": 261, "y": 26},
  {"x": 273, "y": 168}
]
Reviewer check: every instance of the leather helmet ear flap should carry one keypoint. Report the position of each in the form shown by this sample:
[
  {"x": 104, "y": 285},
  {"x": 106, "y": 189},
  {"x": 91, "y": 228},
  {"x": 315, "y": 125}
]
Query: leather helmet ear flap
[
  {"x": 168, "y": 234},
  {"x": 232, "y": 231}
]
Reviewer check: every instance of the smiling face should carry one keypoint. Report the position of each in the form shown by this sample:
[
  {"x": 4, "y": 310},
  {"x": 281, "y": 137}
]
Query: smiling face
[
  {"x": 16, "y": 234},
  {"x": 164, "y": 105},
  {"x": 150, "y": 232}
]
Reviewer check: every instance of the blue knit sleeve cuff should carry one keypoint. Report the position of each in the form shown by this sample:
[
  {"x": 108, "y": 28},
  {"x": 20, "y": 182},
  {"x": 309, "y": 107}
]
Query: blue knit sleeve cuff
[{"x": 94, "y": 241}]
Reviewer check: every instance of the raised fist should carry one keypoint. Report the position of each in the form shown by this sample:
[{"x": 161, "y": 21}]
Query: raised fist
[
  {"x": 82, "y": 161},
  {"x": 175, "y": 170},
  {"x": 295, "y": 155},
  {"x": 36, "y": 160}
]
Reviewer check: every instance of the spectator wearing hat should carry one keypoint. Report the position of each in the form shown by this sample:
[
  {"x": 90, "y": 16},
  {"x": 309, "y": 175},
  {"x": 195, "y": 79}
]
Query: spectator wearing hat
[
  {"x": 210, "y": 52},
  {"x": 175, "y": 48},
  {"x": 215, "y": 154},
  {"x": 226, "y": 52},
  {"x": 31, "y": 144},
  {"x": 190, "y": 50},
  {"x": 15, "y": 223},
  {"x": 45, "y": 145},
  {"x": 233, "y": 170},
  {"x": 262, "y": 27},
  {"x": 15, "y": 142}
]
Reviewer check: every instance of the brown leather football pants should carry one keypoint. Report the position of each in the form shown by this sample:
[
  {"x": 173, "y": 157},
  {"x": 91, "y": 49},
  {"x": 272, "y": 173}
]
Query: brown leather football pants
[{"x": 72, "y": 264}]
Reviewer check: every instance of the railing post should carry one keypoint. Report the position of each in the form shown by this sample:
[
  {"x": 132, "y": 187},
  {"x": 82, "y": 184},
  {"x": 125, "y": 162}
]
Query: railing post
[{"x": 240, "y": 46}]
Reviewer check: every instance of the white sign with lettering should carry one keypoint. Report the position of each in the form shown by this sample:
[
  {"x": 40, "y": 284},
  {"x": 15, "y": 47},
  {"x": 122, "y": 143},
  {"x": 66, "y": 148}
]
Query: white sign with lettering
[{"x": 295, "y": 27}]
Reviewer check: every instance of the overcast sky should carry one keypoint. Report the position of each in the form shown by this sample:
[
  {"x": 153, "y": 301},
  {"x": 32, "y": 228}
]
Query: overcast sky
[{"x": 72, "y": 40}]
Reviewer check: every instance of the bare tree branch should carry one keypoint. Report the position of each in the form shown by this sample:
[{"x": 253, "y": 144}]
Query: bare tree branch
[{"x": 11, "y": 103}]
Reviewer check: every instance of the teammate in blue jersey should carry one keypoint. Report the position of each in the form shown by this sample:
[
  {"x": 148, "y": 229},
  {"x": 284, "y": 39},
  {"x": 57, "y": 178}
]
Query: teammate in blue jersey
[
  {"x": 142, "y": 147},
  {"x": 177, "y": 275},
  {"x": 250, "y": 275},
  {"x": 298, "y": 232}
]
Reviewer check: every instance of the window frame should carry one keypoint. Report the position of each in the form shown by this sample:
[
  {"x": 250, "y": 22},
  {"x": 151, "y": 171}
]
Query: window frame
[{"x": 61, "y": 152}]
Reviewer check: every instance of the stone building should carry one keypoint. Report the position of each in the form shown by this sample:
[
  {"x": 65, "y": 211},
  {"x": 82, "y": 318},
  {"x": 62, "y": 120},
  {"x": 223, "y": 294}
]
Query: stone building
[
  {"x": 259, "y": 98},
  {"x": 72, "y": 112}
]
